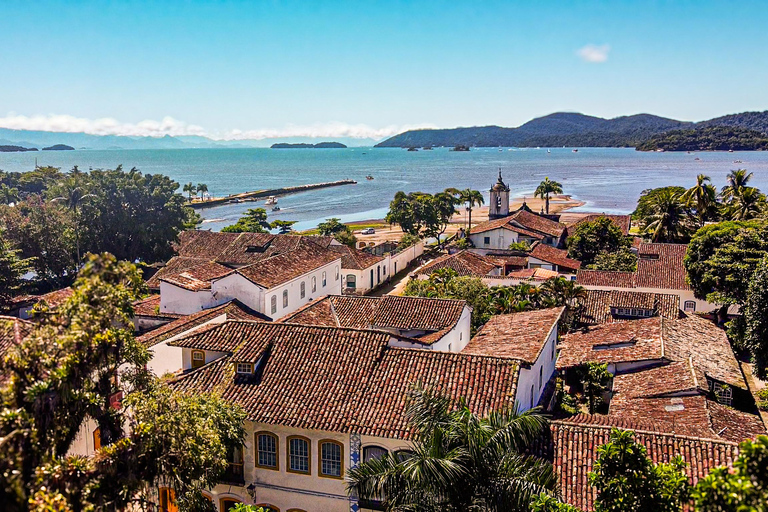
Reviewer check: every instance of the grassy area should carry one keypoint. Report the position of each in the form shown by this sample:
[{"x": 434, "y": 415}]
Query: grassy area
[{"x": 356, "y": 226}]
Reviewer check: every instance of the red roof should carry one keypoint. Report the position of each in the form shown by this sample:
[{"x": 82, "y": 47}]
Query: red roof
[
  {"x": 597, "y": 304},
  {"x": 355, "y": 259},
  {"x": 525, "y": 223},
  {"x": 198, "y": 277},
  {"x": 464, "y": 263},
  {"x": 611, "y": 278},
  {"x": 558, "y": 257},
  {"x": 284, "y": 267},
  {"x": 150, "y": 307}
]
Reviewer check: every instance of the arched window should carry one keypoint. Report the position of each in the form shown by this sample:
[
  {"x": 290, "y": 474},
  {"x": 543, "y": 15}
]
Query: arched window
[
  {"x": 295, "y": 510},
  {"x": 314, "y": 284},
  {"x": 274, "y": 304},
  {"x": 373, "y": 452},
  {"x": 198, "y": 358},
  {"x": 285, "y": 298},
  {"x": 267, "y": 507},
  {"x": 299, "y": 456},
  {"x": 303, "y": 289},
  {"x": 267, "y": 450},
  {"x": 228, "y": 504},
  {"x": 689, "y": 306},
  {"x": 331, "y": 459},
  {"x": 167, "y": 500},
  {"x": 351, "y": 281},
  {"x": 325, "y": 281},
  {"x": 337, "y": 272}
]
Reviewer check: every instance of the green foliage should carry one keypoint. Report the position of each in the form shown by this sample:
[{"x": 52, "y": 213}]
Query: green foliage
[
  {"x": 190, "y": 189},
  {"x": 447, "y": 284},
  {"x": 241, "y": 507},
  {"x": 406, "y": 241},
  {"x": 459, "y": 461},
  {"x": 546, "y": 503},
  {"x": 595, "y": 379},
  {"x": 627, "y": 481},
  {"x": 284, "y": 226},
  {"x": 471, "y": 198},
  {"x": 755, "y": 314},
  {"x": 566, "y": 403},
  {"x": 67, "y": 371},
  {"x": 463, "y": 243},
  {"x": 664, "y": 216},
  {"x": 713, "y": 138},
  {"x": 254, "y": 221},
  {"x": 12, "y": 268},
  {"x": 341, "y": 232},
  {"x": 702, "y": 199},
  {"x": 762, "y": 399},
  {"x": 721, "y": 259},
  {"x": 520, "y": 246},
  {"x": 622, "y": 260},
  {"x": 592, "y": 238},
  {"x": 545, "y": 188},
  {"x": 421, "y": 214},
  {"x": 745, "y": 489}
]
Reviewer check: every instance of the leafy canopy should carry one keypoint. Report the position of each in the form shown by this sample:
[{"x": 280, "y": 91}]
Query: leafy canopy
[{"x": 592, "y": 238}]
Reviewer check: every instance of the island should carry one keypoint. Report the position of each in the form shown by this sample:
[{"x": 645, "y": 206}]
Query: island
[
  {"x": 713, "y": 138},
  {"x": 304, "y": 145},
  {"x": 13, "y": 149},
  {"x": 59, "y": 147}
]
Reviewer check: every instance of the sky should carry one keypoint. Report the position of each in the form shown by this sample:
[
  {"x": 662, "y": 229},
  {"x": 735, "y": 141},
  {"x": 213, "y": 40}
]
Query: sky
[{"x": 230, "y": 69}]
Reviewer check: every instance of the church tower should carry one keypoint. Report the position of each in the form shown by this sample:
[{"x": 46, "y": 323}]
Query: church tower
[{"x": 499, "y": 203}]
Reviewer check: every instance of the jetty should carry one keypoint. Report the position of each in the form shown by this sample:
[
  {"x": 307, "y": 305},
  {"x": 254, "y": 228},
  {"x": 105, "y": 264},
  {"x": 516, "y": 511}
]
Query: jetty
[{"x": 256, "y": 194}]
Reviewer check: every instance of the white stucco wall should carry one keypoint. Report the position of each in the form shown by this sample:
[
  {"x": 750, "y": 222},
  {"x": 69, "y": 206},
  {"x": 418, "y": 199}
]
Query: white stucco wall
[
  {"x": 167, "y": 359},
  {"x": 529, "y": 377},
  {"x": 174, "y": 299},
  {"x": 295, "y": 301},
  {"x": 499, "y": 239},
  {"x": 235, "y": 286}
]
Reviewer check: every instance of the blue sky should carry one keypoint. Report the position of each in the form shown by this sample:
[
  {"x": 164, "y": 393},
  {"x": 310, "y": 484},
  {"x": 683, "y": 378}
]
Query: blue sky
[{"x": 242, "y": 69}]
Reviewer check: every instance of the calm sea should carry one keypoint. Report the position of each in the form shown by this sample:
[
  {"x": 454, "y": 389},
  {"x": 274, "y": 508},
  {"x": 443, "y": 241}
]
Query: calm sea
[{"x": 608, "y": 180}]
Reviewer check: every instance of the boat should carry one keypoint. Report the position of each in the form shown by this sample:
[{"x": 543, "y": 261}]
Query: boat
[
  {"x": 548, "y": 151},
  {"x": 738, "y": 162},
  {"x": 697, "y": 158},
  {"x": 369, "y": 177},
  {"x": 275, "y": 208},
  {"x": 271, "y": 200},
  {"x": 575, "y": 150}
]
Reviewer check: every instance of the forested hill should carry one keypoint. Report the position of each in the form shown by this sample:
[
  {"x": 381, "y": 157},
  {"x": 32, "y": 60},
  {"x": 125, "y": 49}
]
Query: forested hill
[
  {"x": 710, "y": 138},
  {"x": 569, "y": 129}
]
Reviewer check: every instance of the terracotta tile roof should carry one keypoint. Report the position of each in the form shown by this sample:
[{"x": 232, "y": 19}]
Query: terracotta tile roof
[
  {"x": 286, "y": 266},
  {"x": 56, "y": 297},
  {"x": 232, "y": 310},
  {"x": 198, "y": 277},
  {"x": 611, "y": 278},
  {"x": 623, "y": 222},
  {"x": 732, "y": 424},
  {"x": 572, "y": 447},
  {"x": 707, "y": 344},
  {"x": 175, "y": 265},
  {"x": 597, "y": 304},
  {"x": 465, "y": 263},
  {"x": 250, "y": 248},
  {"x": 661, "y": 266},
  {"x": 621, "y": 342},
  {"x": 150, "y": 307},
  {"x": 12, "y": 331},
  {"x": 525, "y": 223},
  {"x": 518, "y": 336},
  {"x": 340, "y": 380},
  {"x": 354, "y": 259},
  {"x": 534, "y": 274},
  {"x": 204, "y": 245},
  {"x": 389, "y": 312},
  {"x": 558, "y": 257}
]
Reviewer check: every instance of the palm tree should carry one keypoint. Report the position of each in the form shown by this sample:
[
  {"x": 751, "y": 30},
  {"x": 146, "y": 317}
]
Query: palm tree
[
  {"x": 203, "y": 189},
  {"x": 191, "y": 189},
  {"x": 73, "y": 197},
  {"x": 8, "y": 194},
  {"x": 471, "y": 198},
  {"x": 703, "y": 197},
  {"x": 458, "y": 461},
  {"x": 737, "y": 181},
  {"x": 545, "y": 188},
  {"x": 667, "y": 222},
  {"x": 748, "y": 204},
  {"x": 564, "y": 291}
]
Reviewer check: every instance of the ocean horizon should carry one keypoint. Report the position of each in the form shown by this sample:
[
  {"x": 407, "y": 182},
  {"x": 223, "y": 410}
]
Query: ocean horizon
[{"x": 606, "y": 179}]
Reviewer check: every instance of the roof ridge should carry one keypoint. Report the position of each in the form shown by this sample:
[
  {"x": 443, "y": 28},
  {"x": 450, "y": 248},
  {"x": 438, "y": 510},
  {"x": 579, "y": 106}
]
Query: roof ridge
[{"x": 590, "y": 426}]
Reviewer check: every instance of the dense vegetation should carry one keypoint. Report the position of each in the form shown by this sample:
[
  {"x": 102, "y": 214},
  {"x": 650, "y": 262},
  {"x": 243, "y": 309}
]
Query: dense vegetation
[
  {"x": 713, "y": 138},
  {"x": 54, "y": 218},
  {"x": 302, "y": 145},
  {"x": 15, "y": 149}
]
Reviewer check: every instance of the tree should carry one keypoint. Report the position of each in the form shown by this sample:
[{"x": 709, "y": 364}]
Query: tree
[
  {"x": 563, "y": 291},
  {"x": 668, "y": 218},
  {"x": 545, "y": 188},
  {"x": 755, "y": 314},
  {"x": 448, "y": 285},
  {"x": 203, "y": 189},
  {"x": 594, "y": 378},
  {"x": 736, "y": 183},
  {"x": 744, "y": 489},
  {"x": 623, "y": 260},
  {"x": 341, "y": 232},
  {"x": 546, "y": 503},
  {"x": 592, "y": 238},
  {"x": 401, "y": 212},
  {"x": 190, "y": 189},
  {"x": 471, "y": 198},
  {"x": 422, "y": 214},
  {"x": 254, "y": 221},
  {"x": 69, "y": 369},
  {"x": 627, "y": 481},
  {"x": 458, "y": 460},
  {"x": 748, "y": 204},
  {"x": 12, "y": 268},
  {"x": 522, "y": 245},
  {"x": 703, "y": 198},
  {"x": 8, "y": 194},
  {"x": 285, "y": 226},
  {"x": 73, "y": 197}
]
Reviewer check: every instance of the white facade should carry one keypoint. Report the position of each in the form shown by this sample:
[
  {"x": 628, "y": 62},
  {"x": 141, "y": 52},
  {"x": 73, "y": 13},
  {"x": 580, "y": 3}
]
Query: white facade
[
  {"x": 534, "y": 379},
  {"x": 178, "y": 300},
  {"x": 453, "y": 341},
  {"x": 499, "y": 238},
  {"x": 688, "y": 302},
  {"x": 369, "y": 278}
]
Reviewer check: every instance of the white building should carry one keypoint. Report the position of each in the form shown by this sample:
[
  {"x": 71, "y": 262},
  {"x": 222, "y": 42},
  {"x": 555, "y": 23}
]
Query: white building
[{"x": 521, "y": 226}]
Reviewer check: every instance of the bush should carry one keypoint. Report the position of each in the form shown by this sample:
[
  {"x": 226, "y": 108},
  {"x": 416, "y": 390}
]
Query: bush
[{"x": 762, "y": 399}]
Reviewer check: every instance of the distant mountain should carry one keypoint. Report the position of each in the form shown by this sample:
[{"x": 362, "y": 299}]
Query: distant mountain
[
  {"x": 14, "y": 149},
  {"x": 708, "y": 138},
  {"x": 570, "y": 129},
  {"x": 302, "y": 145},
  {"x": 59, "y": 147}
]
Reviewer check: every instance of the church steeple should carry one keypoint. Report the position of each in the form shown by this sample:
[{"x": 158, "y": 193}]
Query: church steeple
[{"x": 499, "y": 203}]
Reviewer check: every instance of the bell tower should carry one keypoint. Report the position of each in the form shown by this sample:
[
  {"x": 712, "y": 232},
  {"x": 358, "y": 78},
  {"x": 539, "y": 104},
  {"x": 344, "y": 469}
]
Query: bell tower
[{"x": 499, "y": 204}]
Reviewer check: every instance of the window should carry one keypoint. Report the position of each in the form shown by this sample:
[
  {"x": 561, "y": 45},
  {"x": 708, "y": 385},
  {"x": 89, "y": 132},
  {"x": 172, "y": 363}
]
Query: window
[
  {"x": 267, "y": 507},
  {"x": 487, "y": 240},
  {"x": 303, "y": 289},
  {"x": 337, "y": 272},
  {"x": 384, "y": 270},
  {"x": 554, "y": 344},
  {"x": 461, "y": 336},
  {"x": 228, "y": 504},
  {"x": 373, "y": 452},
  {"x": 403, "y": 455},
  {"x": 533, "y": 398},
  {"x": 97, "y": 439},
  {"x": 351, "y": 281},
  {"x": 689, "y": 306},
  {"x": 298, "y": 455},
  {"x": 331, "y": 459},
  {"x": 167, "y": 500},
  {"x": 325, "y": 281},
  {"x": 724, "y": 394},
  {"x": 267, "y": 450},
  {"x": 234, "y": 471},
  {"x": 198, "y": 358},
  {"x": 295, "y": 510},
  {"x": 449, "y": 347},
  {"x": 274, "y": 304},
  {"x": 244, "y": 368},
  {"x": 314, "y": 284},
  {"x": 541, "y": 375},
  {"x": 285, "y": 298}
]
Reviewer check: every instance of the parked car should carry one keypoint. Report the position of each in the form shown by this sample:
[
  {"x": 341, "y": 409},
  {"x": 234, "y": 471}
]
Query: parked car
[{"x": 368, "y": 231}]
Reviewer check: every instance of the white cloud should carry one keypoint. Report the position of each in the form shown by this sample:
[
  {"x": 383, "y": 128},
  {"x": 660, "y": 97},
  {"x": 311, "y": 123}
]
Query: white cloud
[
  {"x": 594, "y": 53},
  {"x": 174, "y": 127}
]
